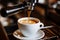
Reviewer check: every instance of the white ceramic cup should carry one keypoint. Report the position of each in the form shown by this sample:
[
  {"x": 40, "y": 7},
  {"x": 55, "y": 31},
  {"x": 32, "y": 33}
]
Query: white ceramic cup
[{"x": 29, "y": 30}]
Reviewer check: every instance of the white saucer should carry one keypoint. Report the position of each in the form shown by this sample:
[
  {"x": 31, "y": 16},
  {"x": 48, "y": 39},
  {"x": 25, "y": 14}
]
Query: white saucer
[{"x": 19, "y": 35}]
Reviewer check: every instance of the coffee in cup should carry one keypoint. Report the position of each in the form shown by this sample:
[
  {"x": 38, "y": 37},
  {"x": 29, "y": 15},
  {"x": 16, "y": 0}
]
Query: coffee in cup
[
  {"x": 28, "y": 22},
  {"x": 30, "y": 28}
]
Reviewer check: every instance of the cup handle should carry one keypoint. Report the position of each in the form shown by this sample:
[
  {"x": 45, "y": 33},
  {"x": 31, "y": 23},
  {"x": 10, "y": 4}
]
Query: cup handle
[{"x": 41, "y": 25}]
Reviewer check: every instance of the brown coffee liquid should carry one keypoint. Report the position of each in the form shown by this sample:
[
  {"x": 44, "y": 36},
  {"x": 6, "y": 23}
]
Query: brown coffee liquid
[
  {"x": 29, "y": 13},
  {"x": 30, "y": 21}
]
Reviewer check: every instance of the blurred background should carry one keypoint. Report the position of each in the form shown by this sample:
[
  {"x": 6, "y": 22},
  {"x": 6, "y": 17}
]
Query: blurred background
[{"x": 11, "y": 11}]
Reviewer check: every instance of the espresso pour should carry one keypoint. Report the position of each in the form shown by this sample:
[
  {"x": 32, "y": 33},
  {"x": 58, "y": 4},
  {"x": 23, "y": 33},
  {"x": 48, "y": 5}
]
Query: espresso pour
[{"x": 30, "y": 8}]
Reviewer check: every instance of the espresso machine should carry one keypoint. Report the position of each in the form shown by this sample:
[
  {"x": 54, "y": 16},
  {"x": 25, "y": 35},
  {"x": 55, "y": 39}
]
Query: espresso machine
[{"x": 24, "y": 5}]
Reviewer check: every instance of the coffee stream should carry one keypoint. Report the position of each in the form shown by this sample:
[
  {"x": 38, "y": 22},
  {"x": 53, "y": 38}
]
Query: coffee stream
[
  {"x": 29, "y": 13},
  {"x": 28, "y": 21}
]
